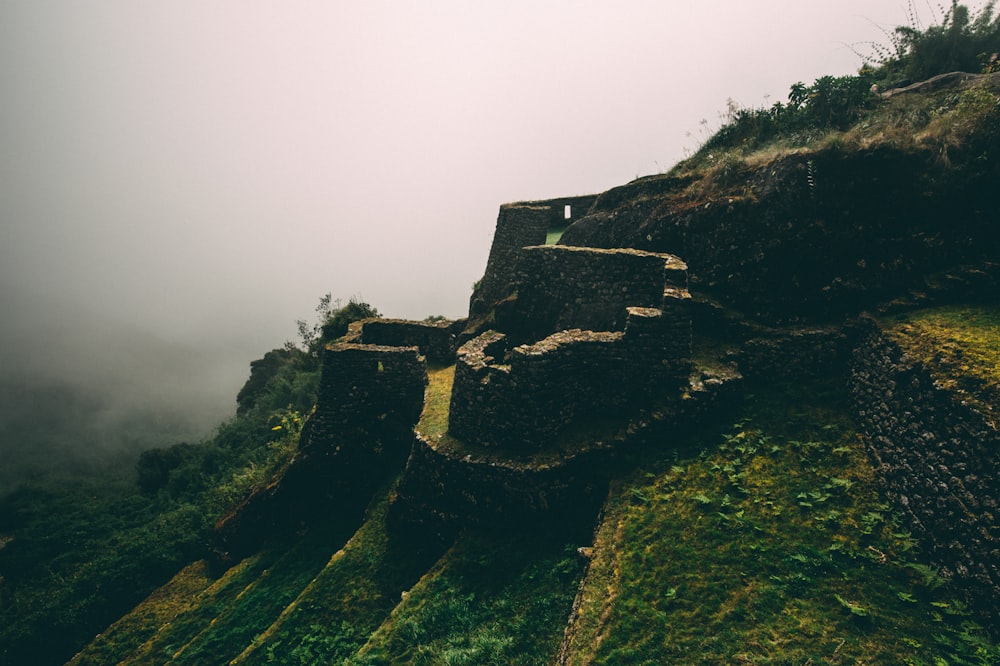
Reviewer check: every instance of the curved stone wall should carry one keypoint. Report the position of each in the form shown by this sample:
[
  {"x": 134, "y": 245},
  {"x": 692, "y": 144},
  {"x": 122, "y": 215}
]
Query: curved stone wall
[
  {"x": 938, "y": 459},
  {"x": 525, "y": 397},
  {"x": 444, "y": 489}
]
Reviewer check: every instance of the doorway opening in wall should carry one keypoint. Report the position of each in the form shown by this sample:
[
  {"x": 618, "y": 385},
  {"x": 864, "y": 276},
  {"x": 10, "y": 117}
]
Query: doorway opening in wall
[{"x": 555, "y": 232}]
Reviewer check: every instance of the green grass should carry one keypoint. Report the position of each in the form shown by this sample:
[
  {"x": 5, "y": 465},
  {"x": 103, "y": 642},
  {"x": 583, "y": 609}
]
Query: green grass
[
  {"x": 158, "y": 610},
  {"x": 960, "y": 345},
  {"x": 216, "y": 601},
  {"x": 497, "y": 597},
  {"x": 771, "y": 546},
  {"x": 553, "y": 235},
  {"x": 334, "y": 615},
  {"x": 494, "y": 597},
  {"x": 437, "y": 399}
]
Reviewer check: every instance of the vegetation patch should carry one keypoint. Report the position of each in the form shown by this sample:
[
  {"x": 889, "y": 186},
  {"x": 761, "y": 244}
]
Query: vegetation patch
[
  {"x": 149, "y": 617},
  {"x": 552, "y": 236},
  {"x": 960, "y": 345},
  {"x": 437, "y": 400},
  {"x": 769, "y": 546},
  {"x": 339, "y": 609},
  {"x": 496, "y": 597}
]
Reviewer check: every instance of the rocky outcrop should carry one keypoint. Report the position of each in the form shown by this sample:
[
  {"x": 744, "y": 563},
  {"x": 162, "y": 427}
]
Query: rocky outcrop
[{"x": 938, "y": 459}]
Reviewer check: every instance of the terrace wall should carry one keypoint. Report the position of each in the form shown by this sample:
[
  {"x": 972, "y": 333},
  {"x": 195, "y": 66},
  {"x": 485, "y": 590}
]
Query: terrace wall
[
  {"x": 938, "y": 459},
  {"x": 527, "y": 396},
  {"x": 561, "y": 287},
  {"x": 435, "y": 340},
  {"x": 520, "y": 225}
]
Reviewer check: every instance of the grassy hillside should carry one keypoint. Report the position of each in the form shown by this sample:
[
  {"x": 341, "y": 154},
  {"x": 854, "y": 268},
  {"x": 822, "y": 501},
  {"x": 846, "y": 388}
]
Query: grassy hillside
[
  {"x": 760, "y": 539},
  {"x": 763, "y": 540},
  {"x": 769, "y": 545}
]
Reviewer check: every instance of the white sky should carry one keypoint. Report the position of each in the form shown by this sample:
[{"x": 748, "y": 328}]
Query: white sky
[{"x": 207, "y": 169}]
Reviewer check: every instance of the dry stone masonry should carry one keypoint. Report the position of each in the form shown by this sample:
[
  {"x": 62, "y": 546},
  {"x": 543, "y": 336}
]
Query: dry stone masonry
[
  {"x": 529, "y": 395},
  {"x": 369, "y": 400},
  {"x": 938, "y": 459},
  {"x": 520, "y": 225}
]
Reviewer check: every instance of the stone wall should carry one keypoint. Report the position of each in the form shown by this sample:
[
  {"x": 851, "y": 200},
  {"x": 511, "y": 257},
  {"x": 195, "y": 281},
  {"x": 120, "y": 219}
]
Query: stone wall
[
  {"x": 526, "y": 396},
  {"x": 938, "y": 459},
  {"x": 520, "y": 225},
  {"x": 436, "y": 340},
  {"x": 369, "y": 400},
  {"x": 440, "y": 493},
  {"x": 560, "y": 287},
  {"x": 370, "y": 389},
  {"x": 792, "y": 354},
  {"x": 444, "y": 489},
  {"x": 823, "y": 236}
]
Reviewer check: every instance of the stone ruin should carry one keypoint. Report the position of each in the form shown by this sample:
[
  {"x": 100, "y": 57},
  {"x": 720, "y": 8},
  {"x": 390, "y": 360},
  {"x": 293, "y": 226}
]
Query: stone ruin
[
  {"x": 571, "y": 360},
  {"x": 559, "y": 339}
]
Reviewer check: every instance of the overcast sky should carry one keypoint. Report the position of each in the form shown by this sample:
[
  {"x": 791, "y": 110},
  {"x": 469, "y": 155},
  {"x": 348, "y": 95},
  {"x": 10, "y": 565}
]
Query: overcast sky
[{"x": 204, "y": 171}]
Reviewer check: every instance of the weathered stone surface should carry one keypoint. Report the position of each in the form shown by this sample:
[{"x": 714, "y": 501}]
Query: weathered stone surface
[
  {"x": 435, "y": 340},
  {"x": 529, "y": 395},
  {"x": 520, "y": 225},
  {"x": 445, "y": 488},
  {"x": 938, "y": 460},
  {"x": 560, "y": 287},
  {"x": 370, "y": 398},
  {"x": 794, "y": 353},
  {"x": 815, "y": 238}
]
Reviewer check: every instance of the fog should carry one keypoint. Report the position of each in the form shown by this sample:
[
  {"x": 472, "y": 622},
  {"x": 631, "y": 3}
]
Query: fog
[{"x": 181, "y": 181}]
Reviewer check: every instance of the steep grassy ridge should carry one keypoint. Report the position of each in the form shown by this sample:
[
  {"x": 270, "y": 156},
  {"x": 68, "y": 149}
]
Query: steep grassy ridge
[{"x": 769, "y": 546}]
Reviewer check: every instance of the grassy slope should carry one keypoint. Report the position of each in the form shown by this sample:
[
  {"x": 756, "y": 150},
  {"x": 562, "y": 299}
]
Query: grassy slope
[
  {"x": 959, "y": 344},
  {"x": 148, "y": 618},
  {"x": 771, "y": 546},
  {"x": 492, "y": 598},
  {"x": 763, "y": 541},
  {"x": 334, "y": 615},
  {"x": 495, "y": 598}
]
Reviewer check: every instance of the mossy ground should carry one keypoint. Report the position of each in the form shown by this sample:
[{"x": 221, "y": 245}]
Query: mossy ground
[
  {"x": 498, "y": 597},
  {"x": 770, "y": 546},
  {"x": 960, "y": 345},
  {"x": 762, "y": 540}
]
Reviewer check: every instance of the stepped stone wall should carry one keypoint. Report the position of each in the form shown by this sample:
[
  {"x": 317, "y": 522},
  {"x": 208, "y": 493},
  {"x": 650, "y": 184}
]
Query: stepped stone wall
[
  {"x": 370, "y": 389},
  {"x": 369, "y": 400},
  {"x": 443, "y": 490},
  {"x": 560, "y": 287},
  {"x": 528, "y": 395},
  {"x": 435, "y": 340},
  {"x": 520, "y": 225},
  {"x": 938, "y": 459}
]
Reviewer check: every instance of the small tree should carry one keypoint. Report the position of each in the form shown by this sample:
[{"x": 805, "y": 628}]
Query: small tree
[
  {"x": 331, "y": 322},
  {"x": 961, "y": 42}
]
